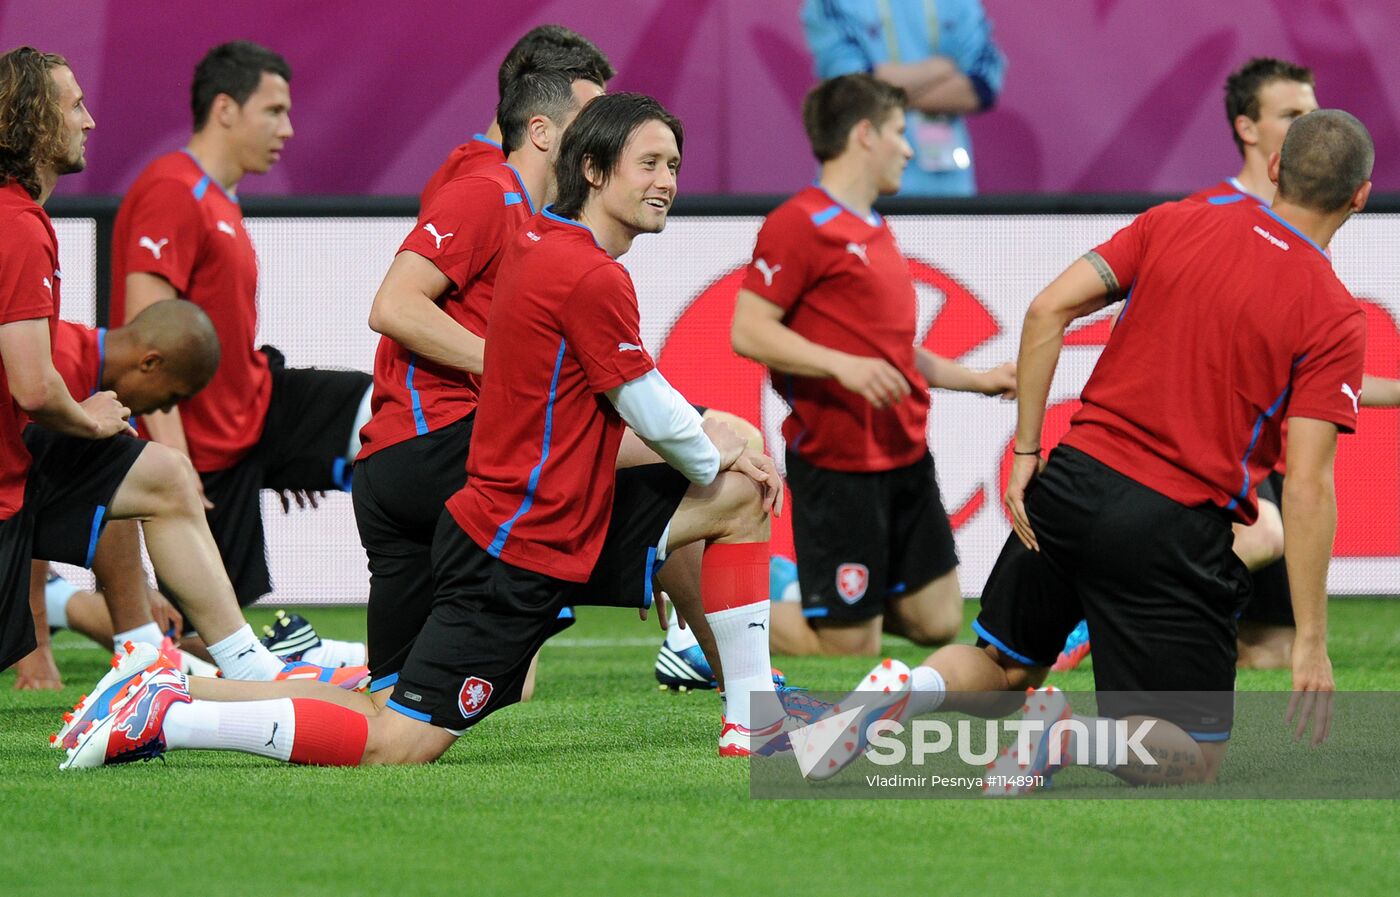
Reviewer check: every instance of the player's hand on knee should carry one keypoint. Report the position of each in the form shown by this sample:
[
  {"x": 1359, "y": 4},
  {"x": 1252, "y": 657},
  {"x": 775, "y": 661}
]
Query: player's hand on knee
[
  {"x": 761, "y": 469},
  {"x": 109, "y": 416},
  {"x": 874, "y": 379},
  {"x": 726, "y": 440},
  {"x": 1313, "y": 688},
  {"x": 1023, "y": 470}
]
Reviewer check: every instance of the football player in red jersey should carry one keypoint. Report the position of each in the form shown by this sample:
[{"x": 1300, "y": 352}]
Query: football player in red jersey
[
  {"x": 180, "y": 232},
  {"x": 1129, "y": 524},
  {"x": 828, "y": 306}
]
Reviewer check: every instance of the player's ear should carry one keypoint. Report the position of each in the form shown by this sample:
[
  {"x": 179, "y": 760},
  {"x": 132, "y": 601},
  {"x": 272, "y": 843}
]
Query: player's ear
[
  {"x": 1274, "y": 158},
  {"x": 1247, "y": 129},
  {"x": 863, "y": 133},
  {"x": 150, "y": 362},
  {"x": 591, "y": 173},
  {"x": 1359, "y": 198},
  {"x": 540, "y": 132}
]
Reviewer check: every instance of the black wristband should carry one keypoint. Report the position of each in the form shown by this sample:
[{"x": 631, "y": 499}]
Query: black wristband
[{"x": 1035, "y": 452}]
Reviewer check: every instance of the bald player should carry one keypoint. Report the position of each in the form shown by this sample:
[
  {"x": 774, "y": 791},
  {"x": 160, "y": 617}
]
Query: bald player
[{"x": 166, "y": 354}]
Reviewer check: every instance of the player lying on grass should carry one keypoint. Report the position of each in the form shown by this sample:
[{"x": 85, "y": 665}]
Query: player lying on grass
[
  {"x": 67, "y": 468},
  {"x": 1129, "y": 524},
  {"x": 544, "y": 520}
]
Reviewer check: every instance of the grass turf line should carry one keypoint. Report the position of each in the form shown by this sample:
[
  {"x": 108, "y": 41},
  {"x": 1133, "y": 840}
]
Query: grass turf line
[{"x": 603, "y": 785}]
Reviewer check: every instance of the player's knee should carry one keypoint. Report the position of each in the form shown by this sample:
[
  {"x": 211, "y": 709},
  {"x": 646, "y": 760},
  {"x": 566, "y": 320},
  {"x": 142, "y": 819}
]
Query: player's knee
[
  {"x": 741, "y": 512},
  {"x": 388, "y": 745},
  {"x": 934, "y": 627},
  {"x": 747, "y": 431},
  {"x": 170, "y": 481},
  {"x": 1213, "y": 755}
]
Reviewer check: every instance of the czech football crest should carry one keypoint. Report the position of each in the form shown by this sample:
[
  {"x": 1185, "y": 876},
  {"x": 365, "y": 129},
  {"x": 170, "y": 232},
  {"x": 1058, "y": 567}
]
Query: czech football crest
[
  {"x": 473, "y": 696},
  {"x": 851, "y": 582}
]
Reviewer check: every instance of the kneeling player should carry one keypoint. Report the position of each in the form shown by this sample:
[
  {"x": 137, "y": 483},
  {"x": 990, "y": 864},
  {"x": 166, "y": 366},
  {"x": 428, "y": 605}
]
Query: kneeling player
[
  {"x": 544, "y": 520},
  {"x": 1129, "y": 524}
]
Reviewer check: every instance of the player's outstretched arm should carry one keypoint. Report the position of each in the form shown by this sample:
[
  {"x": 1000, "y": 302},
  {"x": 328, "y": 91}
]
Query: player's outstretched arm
[
  {"x": 1309, "y": 526},
  {"x": 40, "y": 391},
  {"x": 758, "y": 332},
  {"x": 945, "y": 373},
  {"x": 1379, "y": 392},
  {"x": 405, "y": 309}
]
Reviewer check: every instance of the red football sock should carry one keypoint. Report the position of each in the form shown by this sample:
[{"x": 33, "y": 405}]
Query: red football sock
[
  {"x": 734, "y": 575},
  {"x": 327, "y": 734}
]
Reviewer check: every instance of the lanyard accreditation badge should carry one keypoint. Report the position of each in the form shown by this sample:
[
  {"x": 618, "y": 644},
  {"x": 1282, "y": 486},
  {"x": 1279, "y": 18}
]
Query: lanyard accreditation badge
[{"x": 937, "y": 143}]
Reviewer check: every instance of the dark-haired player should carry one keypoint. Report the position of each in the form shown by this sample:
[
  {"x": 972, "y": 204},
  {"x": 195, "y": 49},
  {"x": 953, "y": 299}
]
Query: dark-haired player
[
  {"x": 544, "y": 520},
  {"x": 180, "y": 232},
  {"x": 431, "y": 310},
  {"x": 1129, "y": 523},
  {"x": 828, "y": 306},
  {"x": 542, "y": 47}
]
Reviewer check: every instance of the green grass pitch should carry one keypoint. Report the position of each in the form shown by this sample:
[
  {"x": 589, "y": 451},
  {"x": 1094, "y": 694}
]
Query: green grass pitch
[{"x": 603, "y": 785}]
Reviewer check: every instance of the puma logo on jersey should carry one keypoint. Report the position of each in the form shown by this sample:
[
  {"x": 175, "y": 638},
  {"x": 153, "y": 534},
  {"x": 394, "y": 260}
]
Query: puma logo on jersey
[
  {"x": 628, "y": 347},
  {"x": 148, "y": 243},
  {"x": 1354, "y": 396},
  {"x": 858, "y": 250},
  {"x": 48, "y": 284},
  {"x": 437, "y": 237},
  {"x": 227, "y": 228},
  {"x": 767, "y": 271},
  {"x": 532, "y": 235}
]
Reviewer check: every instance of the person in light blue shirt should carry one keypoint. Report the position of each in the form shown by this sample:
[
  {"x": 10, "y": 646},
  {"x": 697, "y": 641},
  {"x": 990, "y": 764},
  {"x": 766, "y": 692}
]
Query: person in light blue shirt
[{"x": 940, "y": 51}]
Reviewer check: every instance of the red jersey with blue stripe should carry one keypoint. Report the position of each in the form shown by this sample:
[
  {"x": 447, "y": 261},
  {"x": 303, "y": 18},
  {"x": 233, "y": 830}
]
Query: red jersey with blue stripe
[
  {"x": 463, "y": 232},
  {"x": 1233, "y": 322},
  {"x": 29, "y": 289},
  {"x": 479, "y": 153},
  {"x": 842, "y": 283},
  {"x": 177, "y": 223},
  {"x": 78, "y": 355},
  {"x": 564, "y": 329}
]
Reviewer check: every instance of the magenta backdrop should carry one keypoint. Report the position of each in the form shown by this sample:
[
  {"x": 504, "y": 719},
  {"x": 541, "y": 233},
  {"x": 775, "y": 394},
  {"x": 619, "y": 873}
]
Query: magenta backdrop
[{"x": 1101, "y": 95}]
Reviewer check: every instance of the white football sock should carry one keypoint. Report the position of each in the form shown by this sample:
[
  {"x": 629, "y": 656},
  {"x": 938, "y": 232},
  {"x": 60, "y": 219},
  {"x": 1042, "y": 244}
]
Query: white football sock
[
  {"x": 750, "y": 699},
  {"x": 147, "y": 633},
  {"x": 927, "y": 690},
  {"x": 265, "y": 728},
  {"x": 242, "y": 656},
  {"x": 334, "y": 653},
  {"x": 57, "y": 594},
  {"x": 678, "y": 639}
]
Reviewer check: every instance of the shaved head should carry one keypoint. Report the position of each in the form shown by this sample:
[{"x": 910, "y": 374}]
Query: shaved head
[
  {"x": 184, "y": 336},
  {"x": 1325, "y": 159}
]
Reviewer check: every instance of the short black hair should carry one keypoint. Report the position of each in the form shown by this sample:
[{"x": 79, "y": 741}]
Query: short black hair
[
  {"x": 557, "y": 47},
  {"x": 1243, "y": 86},
  {"x": 236, "y": 69},
  {"x": 1326, "y": 156},
  {"x": 547, "y": 92},
  {"x": 597, "y": 137},
  {"x": 835, "y": 106}
]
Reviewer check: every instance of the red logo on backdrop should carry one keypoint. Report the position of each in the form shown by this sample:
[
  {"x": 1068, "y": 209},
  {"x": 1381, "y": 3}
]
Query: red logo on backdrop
[
  {"x": 698, "y": 361},
  {"x": 473, "y": 696},
  {"x": 851, "y": 582}
]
